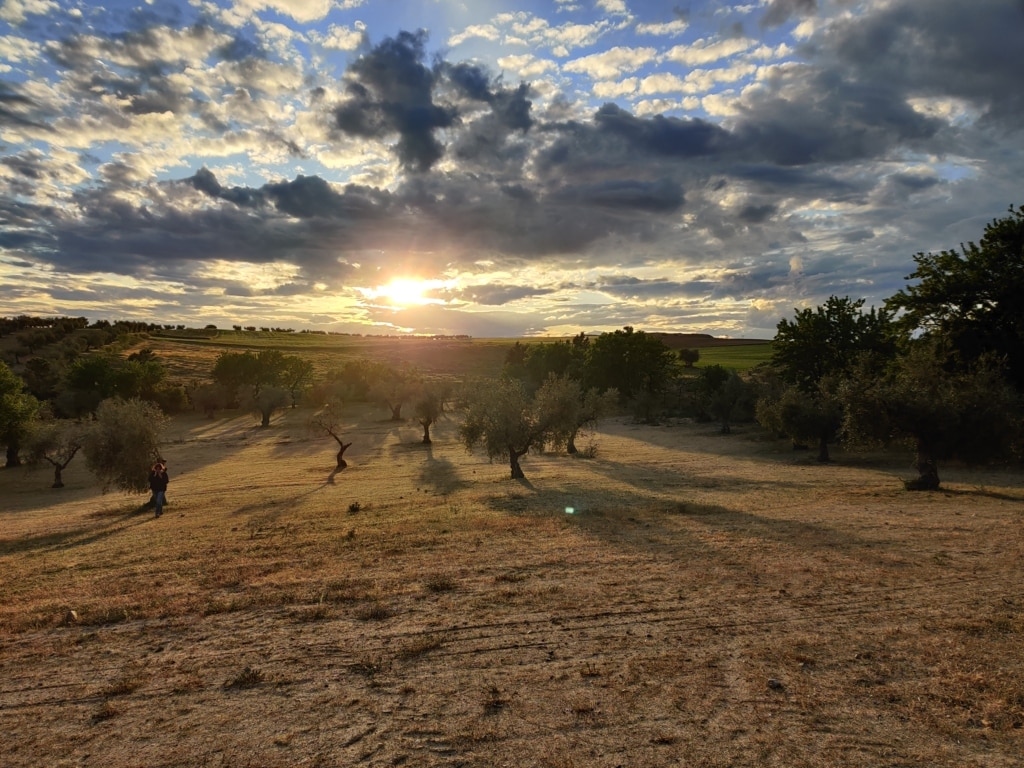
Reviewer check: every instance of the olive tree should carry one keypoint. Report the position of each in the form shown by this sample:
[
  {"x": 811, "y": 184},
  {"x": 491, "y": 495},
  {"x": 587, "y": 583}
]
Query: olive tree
[
  {"x": 571, "y": 409},
  {"x": 503, "y": 419},
  {"x": 56, "y": 442},
  {"x": 123, "y": 442},
  {"x": 429, "y": 405},
  {"x": 328, "y": 421},
  {"x": 970, "y": 414}
]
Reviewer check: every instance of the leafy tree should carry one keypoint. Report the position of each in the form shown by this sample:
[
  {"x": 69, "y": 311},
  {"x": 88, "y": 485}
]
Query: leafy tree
[
  {"x": 56, "y": 442},
  {"x": 724, "y": 395},
  {"x": 534, "y": 363},
  {"x": 353, "y": 381},
  {"x": 429, "y": 405},
  {"x": 264, "y": 402},
  {"x": 804, "y": 416},
  {"x": 631, "y": 362},
  {"x": 970, "y": 414},
  {"x": 394, "y": 387},
  {"x": 572, "y": 409},
  {"x": 248, "y": 375},
  {"x": 328, "y": 421},
  {"x": 42, "y": 377},
  {"x": 689, "y": 357},
  {"x": 830, "y": 339},
  {"x": 17, "y": 409},
  {"x": 296, "y": 377},
  {"x": 972, "y": 297},
  {"x": 123, "y": 443},
  {"x": 209, "y": 398},
  {"x": 503, "y": 418}
]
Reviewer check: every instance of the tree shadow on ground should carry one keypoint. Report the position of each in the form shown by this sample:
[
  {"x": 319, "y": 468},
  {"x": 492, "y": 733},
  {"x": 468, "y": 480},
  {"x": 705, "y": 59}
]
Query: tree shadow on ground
[
  {"x": 116, "y": 521},
  {"x": 438, "y": 473}
]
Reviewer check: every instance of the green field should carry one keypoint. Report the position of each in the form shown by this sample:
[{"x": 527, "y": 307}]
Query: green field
[{"x": 739, "y": 357}]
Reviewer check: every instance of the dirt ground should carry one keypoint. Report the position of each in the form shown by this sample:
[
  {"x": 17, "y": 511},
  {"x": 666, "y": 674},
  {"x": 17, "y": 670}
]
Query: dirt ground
[{"x": 680, "y": 598}]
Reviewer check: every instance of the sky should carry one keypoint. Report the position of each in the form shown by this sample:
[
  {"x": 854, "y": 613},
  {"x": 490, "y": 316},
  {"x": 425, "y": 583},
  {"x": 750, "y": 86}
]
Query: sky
[{"x": 496, "y": 168}]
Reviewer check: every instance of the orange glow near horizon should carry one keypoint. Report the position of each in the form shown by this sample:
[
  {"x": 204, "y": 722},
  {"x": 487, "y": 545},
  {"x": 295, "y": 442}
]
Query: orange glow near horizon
[{"x": 406, "y": 292}]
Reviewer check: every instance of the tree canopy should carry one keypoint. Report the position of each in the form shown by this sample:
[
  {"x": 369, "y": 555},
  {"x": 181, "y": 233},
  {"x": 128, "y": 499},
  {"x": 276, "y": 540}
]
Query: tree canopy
[
  {"x": 829, "y": 339},
  {"x": 972, "y": 297},
  {"x": 17, "y": 409}
]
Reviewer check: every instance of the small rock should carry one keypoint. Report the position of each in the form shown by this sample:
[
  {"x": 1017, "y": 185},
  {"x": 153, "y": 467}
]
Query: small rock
[
  {"x": 776, "y": 685},
  {"x": 71, "y": 617}
]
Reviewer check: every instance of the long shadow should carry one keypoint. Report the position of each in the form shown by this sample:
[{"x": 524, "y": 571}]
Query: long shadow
[
  {"x": 76, "y": 537},
  {"x": 673, "y": 479},
  {"x": 438, "y": 473}
]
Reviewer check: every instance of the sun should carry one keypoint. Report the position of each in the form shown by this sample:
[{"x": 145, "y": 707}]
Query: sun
[
  {"x": 404, "y": 292},
  {"x": 409, "y": 292}
]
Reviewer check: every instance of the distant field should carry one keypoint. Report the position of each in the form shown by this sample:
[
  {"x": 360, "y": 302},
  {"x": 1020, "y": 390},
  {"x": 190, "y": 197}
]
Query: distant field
[
  {"x": 736, "y": 357},
  {"x": 191, "y": 354}
]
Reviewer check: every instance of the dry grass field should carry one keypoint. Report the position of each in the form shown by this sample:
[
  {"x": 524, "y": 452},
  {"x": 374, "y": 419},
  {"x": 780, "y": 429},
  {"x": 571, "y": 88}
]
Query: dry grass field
[{"x": 712, "y": 601}]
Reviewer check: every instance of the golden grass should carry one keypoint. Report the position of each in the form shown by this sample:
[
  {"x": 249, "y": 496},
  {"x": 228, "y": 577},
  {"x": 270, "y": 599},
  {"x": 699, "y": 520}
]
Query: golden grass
[{"x": 713, "y": 601}]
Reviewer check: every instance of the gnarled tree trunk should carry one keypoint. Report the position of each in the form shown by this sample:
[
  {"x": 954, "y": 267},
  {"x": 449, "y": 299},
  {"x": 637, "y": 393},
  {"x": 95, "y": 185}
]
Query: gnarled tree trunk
[
  {"x": 927, "y": 471},
  {"x": 823, "y": 455},
  {"x": 513, "y": 460},
  {"x": 13, "y": 448}
]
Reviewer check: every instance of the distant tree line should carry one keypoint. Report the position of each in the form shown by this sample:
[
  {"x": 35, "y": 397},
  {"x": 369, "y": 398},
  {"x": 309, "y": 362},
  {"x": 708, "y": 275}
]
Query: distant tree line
[{"x": 939, "y": 368}]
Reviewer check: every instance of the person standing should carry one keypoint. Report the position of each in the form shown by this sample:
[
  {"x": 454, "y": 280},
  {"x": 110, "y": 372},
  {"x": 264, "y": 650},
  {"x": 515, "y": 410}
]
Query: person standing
[{"x": 158, "y": 485}]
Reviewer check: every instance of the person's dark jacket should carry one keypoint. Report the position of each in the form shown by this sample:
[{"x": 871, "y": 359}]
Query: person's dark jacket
[{"x": 158, "y": 480}]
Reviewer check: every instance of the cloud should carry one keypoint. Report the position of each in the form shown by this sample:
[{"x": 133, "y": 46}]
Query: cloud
[
  {"x": 705, "y": 51},
  {"x": 391, "y": 92},
  {"x": 780, "y": 11},
  {"x": 611, "y": 63},
  {"x": 497, "y": 295},
  {"x": 16, "y": 11}
]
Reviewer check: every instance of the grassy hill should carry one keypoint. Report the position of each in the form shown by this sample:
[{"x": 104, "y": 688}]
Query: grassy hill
[{"x": 709, "y": 601}]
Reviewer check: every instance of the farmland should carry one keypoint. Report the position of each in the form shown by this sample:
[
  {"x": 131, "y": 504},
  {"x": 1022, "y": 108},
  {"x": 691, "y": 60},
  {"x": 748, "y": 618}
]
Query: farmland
[{"x": 710, "y": 600}]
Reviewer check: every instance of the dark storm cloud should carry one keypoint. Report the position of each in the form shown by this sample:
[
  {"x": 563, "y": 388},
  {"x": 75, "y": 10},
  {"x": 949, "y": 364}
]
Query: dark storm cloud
[
  {"x": 670, "y": 136},
  {"x": 391, "y": 91},
  {"x": 662, "y": 196},
  {"x": 626, "y": 286},
  {"x": 780, "y": 11},
  {"x": 511, "y": 106},
  {"x": 829, "y": 118},
  {"x": 973, "y": 51},
  {"x": 755, "y": 214},
  {"x": 497, "y": 295}
]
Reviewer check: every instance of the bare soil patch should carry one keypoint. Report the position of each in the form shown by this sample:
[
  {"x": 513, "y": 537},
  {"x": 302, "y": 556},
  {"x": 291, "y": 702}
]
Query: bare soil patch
[{"x": 711, "y": 601}]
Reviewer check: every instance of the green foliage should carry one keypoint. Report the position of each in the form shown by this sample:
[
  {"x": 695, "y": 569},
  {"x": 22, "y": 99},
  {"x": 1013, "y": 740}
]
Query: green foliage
[
  {"x": 806, "y": 417},
  {"x": 264, "y": 402},
  {"x": 569, "y": 409},
  {"x": 725, "y": 396},
  {"x": 123, "y": 442},
  {"x": 972, "y": 298},
  {"x": 96, "y": 377},
  {"x": 503, "y": 419},
  {"x": 56, "y": 442},
  {"x": 534, "y": 363},
  {"x": 631, "y": 362},
  {"x": 247, "y": 374},
  {"x": 689, "y": 357},
  {"x": 429, "y": 403},
  {"x": 17, "y": 409},
  {"x": 830, "y": 339},
  {"x": 969, "y": 414}
]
